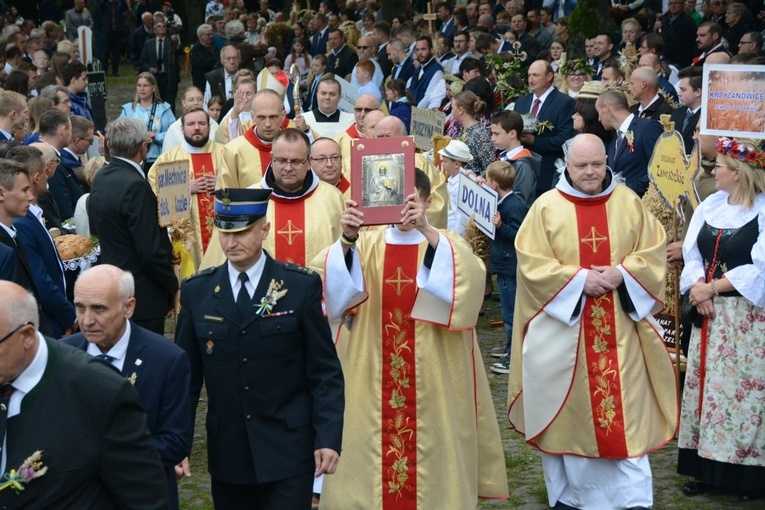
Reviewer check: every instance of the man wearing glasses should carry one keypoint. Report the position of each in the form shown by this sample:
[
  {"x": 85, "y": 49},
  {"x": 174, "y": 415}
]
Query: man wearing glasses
[
  {"x": 750, "y": 41},
  {"x": 327, "y": 164},
  {"x": 83, "y": 137},
  {"x": 97, "y": 450},
  {"x": 367, "y": 51}
]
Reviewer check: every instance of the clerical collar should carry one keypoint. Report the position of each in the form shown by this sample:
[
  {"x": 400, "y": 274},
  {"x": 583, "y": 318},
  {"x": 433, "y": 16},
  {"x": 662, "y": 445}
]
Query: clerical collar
[
  {"x": 320, "y": 116},
  {"x": 396, "y": 236},
  {"x": 310, "y": 183},
  {"x": 567, "y": 186}
]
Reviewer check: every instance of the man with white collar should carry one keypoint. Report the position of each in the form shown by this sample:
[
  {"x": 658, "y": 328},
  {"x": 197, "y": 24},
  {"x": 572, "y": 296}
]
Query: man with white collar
[
  {"x": 342, "y": 58},
  {"x": 644, "y": 86},
  {"x": 298, "y": 194},
  {"x": 630, "y": 151},
  {"x": 318, "y": 25},
  {"x": 461, "y": 51},
  {"x": 56, "y": 131},
  {"x": 401, "y": 294},
  {"x": 205, "y": 159},
  {"x": 13, "y": 114},
  {"x": 591, "y": 266},
  {"x": 709, "y": 41},
  {"x": 427, "y": 83},
  {"x": 220, "y": 82},
  {"x": 409, "y": 38},
  {"x": 326, "y": 119},
  {"x": 105, "y": 431},
  {"x": 448, "y": 29},
  {"x": 687, "y": 116},
  {"x": 158, "y": 370}
]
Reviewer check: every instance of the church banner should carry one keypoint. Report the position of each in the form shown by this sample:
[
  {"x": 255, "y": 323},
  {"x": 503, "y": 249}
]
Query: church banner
[
  {"x": 671, "y": 172},
  {"x": 479, "y": 201},
  {"x": 425, "y": 125},
  {"x": 348, "y": 95},
  {"x": 733, "y": 102},
  {"x": 173, "y": 192}
]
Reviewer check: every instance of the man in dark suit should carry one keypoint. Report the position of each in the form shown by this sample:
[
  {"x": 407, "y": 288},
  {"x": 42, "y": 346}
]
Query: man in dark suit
[
  {"x": 123, "y": 214},
  {"x": 7, "y": 263},
  {"x": 111, "y": 15},
  {"x": 158, "y": 369},
  {"x": 342, "y": 58},
  {"x": 403, "y": 65},
  {"x": 547, "y": 104},
  {"x": 97, "y": 450},
  {"x": 382, "y": 35},
  {"x": 644, "y": 86},
  {"x": 687, "y": 116},
  {"x": 447, "y": 28},
  {"x": 678, "y": 31},
  {"x": 160, "y": 58},
  {"x": 141, "y": 35},
  {"x": 630, "y": 151},
  {"x": 319, "y": 29},
  {"x": 276, "y": 421},
  {"x": 56, "y": 131},
  {"x": 44, "y": 261},
  {"x": 13, "y": 114},
  {"x": 220, "y": 82},
  {"x": 15, "y": 199},
  {"x": 204, "y": 56}
]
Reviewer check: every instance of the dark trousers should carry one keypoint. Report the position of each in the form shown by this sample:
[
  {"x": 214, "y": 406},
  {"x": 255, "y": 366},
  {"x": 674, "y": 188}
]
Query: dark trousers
[
  {"x": 112, "y": 48},
  {"x": 289, "y": 494},
  {"x": 155, "y": 325}
]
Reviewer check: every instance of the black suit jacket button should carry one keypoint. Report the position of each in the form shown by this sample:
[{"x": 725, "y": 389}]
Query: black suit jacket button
[
  {"x": 246, "y": 388},
  {"x": 243, "y": 332},
  {"x": 244, "y": 361},
  {"x": 279, "y": 326},
  {"x": 249, "y": 417}
]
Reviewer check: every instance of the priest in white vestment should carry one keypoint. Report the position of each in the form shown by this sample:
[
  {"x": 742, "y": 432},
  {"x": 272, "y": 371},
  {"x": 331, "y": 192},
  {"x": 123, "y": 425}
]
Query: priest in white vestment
[{"x": 591, "y": 383}]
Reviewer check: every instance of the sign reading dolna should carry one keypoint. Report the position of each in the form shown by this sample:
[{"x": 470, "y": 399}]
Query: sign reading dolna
[{"x": 479, "y": 201}]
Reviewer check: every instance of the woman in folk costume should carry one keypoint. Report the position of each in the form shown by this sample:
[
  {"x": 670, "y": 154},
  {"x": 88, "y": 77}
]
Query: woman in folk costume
[{"x": 722, "y": 436}]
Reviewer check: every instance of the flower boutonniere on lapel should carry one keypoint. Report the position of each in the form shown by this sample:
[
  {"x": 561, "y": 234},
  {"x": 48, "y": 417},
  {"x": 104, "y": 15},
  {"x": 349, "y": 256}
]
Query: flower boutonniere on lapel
[
  {"x": 31, "y": 468},
  {"x": 273, "y": 295},
  {"x": 132, "y": 378},
  {"x": 629, "y": 136}
]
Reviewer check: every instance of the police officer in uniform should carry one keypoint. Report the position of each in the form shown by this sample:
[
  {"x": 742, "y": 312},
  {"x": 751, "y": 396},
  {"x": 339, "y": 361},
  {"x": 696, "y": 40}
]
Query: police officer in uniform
[{"x": 255, "y": 333}]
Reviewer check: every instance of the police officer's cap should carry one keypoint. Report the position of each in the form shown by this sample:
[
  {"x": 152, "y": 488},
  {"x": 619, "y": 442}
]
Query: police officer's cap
[{"x": 237, "y": 209}]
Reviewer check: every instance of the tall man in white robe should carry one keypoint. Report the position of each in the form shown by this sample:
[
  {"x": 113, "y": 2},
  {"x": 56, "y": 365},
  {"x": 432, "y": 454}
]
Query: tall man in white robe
[
  {"x": 421, "y": 431},
  {"x": 591, "y": 382}
]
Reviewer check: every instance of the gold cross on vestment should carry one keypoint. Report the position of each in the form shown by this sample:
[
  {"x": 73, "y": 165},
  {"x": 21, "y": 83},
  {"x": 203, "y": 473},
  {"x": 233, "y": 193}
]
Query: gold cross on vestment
[
  {"x": 290, "y": 232},
  {"x": 398, "y": 279},
  {"x": 595, "y": 240}
]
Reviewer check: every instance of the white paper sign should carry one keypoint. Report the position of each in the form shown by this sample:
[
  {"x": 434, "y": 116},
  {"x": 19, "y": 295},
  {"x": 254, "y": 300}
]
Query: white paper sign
[
  {"x": 348, "y": 95},
  {"x": 479, "y": 201}
]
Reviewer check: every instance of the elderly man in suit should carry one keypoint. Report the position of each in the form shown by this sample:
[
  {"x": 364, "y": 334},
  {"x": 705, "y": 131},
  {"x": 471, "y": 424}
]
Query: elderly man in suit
[
  {"x": 687, "y": 116},
  {"x": 157, "y": 368},
  {"x": 644, "y": 86},
  {"x": 47, "y": 268},
  {"x": 220, "y": 82},
  {"x": 98, "y": 450},
  {"x": 160, "y": 58},
  {"x": 123, "y": 214},
  {"x": 547, "y": 104},
  {"x": 630, "y": 151},
  {"x": 275, "y": 421}
]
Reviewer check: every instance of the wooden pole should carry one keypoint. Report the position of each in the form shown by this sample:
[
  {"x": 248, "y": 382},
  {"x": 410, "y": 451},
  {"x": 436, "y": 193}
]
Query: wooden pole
[{"x": 676, "y": 298}]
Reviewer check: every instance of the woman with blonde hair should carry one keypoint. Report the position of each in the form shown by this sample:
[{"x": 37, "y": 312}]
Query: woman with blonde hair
[
  {"x": 81, "y": 220},
  {"x": 466, "y": 106},
  {"x": 37, "y": 106},
  {"x": 351, "y": 32},
  {"x": 721, "y": 422},
  {"x": 572, "y": 75},
  {"x": 148, "y": 107}
]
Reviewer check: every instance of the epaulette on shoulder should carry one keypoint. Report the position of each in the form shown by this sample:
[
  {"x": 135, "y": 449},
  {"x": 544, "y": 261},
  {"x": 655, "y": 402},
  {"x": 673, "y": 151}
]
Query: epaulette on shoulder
[
  {"x": 298, "y": 269},
  {"x": 203, "y": 272}
]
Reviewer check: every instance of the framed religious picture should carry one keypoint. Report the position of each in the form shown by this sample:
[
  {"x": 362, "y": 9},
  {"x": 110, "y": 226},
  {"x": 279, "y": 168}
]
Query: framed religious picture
[{"x": 382, "y": 175}]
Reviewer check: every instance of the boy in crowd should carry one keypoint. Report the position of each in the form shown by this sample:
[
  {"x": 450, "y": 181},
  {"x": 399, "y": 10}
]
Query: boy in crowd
[
  {"x": 511, "y": 210},
  {"x": 452, "y": 158},
  {"x": 506, "y": 131}
]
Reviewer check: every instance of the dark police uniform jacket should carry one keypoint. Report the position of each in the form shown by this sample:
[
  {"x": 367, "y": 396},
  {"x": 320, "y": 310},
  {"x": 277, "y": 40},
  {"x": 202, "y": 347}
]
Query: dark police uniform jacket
[{"x": 274, "y": 382}]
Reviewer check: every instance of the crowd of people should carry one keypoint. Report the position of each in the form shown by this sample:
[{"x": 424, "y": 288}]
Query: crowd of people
[{"x": 383, "y": 401}]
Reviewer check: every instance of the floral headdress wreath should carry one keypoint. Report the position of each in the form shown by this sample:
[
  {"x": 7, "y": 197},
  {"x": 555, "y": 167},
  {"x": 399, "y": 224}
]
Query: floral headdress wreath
[
  {"x": 577, "y": 65},
  {"x": 742, "y": 152}
]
